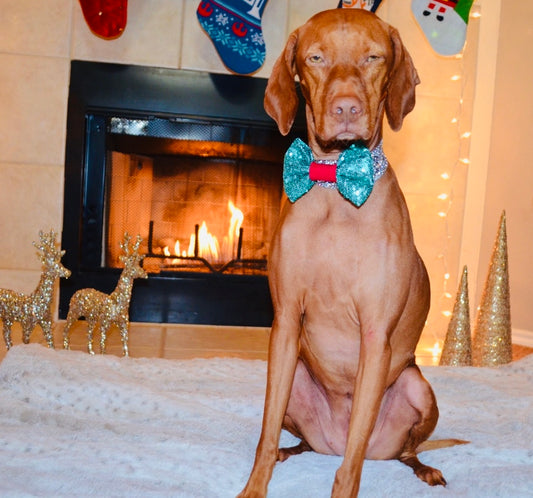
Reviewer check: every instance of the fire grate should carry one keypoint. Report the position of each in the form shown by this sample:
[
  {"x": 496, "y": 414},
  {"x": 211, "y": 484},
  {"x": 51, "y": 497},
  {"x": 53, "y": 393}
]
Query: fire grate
[{"x": 181, "y": 262}]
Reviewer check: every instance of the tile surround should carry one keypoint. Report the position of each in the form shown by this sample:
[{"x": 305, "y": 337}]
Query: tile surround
[
  {"x": 36, "y": 28},
  {"x": 153, "y": 35},
  {"x": 38, "y": 208},
  {"x": 33, "y": 93}
]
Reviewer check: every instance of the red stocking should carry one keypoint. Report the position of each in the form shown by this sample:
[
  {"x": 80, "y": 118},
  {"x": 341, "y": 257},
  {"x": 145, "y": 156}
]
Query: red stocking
[{"x": 106, "y": 18}]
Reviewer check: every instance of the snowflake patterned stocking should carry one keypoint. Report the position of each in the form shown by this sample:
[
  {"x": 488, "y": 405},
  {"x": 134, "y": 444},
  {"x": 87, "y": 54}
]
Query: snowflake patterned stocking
[{"x": 234, "y": 27}]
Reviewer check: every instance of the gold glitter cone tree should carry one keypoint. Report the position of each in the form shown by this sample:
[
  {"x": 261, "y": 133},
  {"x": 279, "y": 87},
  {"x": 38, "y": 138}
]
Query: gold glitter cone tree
[
  {"x": 457, "y": 349},
  {"x": 492, "y": 334}
]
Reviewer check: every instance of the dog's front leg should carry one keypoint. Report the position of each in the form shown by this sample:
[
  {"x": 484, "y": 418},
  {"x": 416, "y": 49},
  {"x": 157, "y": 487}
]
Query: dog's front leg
[
  {"x": 282, "y": 360},
  {"x": 370, "y": 384}
]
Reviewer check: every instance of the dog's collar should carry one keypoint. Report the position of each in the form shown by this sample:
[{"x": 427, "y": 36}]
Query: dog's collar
[{"x": 353, "y": 174}]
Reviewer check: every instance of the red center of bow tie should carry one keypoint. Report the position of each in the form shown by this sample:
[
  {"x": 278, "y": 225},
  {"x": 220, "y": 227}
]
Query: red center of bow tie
[{"x": 320, "y": 172}]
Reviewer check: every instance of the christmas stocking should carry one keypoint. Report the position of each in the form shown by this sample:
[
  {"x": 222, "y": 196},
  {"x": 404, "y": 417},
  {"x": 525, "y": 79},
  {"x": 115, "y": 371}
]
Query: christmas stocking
[
  {"x": 443, "y": 22},
  {"x": 234, "y": 27},
  {"x": 105, "y": 18},
  {"x": 371, "y": 5}
]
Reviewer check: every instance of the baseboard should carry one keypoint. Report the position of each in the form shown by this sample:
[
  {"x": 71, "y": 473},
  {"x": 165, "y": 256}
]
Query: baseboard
[{"x": 523, "y": 337}]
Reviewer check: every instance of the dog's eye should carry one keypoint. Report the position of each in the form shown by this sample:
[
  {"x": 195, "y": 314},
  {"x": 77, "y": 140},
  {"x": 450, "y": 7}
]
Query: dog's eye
[
  {"x": 315, "y": 59},
  {"x": 372, "y": 58}
]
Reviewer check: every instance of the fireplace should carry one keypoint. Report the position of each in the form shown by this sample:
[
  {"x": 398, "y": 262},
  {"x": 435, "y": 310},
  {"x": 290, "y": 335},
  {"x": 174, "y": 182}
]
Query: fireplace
[{"x": 191, "y": 162}]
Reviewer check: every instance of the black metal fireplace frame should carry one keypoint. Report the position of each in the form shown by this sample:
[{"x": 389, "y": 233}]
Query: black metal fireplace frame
[{"x": 101, "y": 89}]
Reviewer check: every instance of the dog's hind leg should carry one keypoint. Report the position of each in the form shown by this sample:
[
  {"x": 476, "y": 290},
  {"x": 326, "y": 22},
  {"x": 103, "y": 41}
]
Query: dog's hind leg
[
  {"x": 424, "y": 472},
  {"x": 421, "y": 430},
  {"x": 407, "y": 418},
  {"x": 285, "y": 453}
]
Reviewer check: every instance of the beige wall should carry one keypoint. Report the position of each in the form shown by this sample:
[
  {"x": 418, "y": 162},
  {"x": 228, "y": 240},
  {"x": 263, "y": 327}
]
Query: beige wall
[
  {"x": 38, "y": 40},
  {"x": 510, "y": 170}
]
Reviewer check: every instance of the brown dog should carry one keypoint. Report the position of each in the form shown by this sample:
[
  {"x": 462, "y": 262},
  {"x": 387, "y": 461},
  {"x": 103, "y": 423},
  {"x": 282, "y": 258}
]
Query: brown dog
[{"x": 349, "y": 289}]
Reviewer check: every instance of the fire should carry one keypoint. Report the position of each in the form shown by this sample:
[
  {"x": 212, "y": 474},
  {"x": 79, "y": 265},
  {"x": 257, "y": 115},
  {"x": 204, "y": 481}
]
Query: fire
[
  {"x": 208, "y": 245},
  {"x": 230, "y": 240}
]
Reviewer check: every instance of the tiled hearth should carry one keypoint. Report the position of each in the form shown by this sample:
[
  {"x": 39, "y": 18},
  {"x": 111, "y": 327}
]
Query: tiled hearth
[
  {"x": 170, "y": 341},
  {"x": 175, "y": 341}
]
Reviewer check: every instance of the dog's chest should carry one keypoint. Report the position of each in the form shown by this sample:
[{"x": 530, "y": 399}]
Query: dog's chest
[{"x": 323, "y": 219}]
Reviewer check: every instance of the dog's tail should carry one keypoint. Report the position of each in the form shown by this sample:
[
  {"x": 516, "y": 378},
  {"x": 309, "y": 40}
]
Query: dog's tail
[{"x": 437, "y": 444}]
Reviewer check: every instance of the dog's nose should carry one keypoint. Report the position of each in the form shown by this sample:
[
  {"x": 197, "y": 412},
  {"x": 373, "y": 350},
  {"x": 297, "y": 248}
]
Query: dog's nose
[{"x": 346, "y": 108}]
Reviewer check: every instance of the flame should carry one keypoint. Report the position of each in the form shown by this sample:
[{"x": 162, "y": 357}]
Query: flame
[
  {"x": 166, "y": 251},
  {"x": 208, "y": 245},
  {"x": 236, "y": 220},
  {"x": 235, "y": 223}
]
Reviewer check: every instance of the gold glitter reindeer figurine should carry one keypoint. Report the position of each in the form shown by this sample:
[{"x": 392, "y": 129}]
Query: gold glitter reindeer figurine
[
  {"x": 107, "y": 309},
  {"x": 35, "y": 309}
]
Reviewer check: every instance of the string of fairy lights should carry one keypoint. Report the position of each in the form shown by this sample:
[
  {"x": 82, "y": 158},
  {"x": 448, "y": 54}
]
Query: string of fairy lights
[{"x": 461, "y": 122}]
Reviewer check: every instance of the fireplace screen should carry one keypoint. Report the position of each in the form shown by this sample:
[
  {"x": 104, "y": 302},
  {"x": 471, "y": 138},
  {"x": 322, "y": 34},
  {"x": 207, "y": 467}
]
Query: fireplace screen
[
  {"x": 189, "y": 161},
  {"x": 204, "y": 197}
]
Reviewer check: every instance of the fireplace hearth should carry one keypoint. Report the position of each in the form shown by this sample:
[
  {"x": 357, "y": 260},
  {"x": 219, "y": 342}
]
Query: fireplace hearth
[{"x": 191, "y": 162}]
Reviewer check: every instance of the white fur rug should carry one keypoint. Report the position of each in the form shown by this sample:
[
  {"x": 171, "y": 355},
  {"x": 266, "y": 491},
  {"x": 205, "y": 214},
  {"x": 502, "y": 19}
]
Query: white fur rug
[{"x": 76, "y": 425}]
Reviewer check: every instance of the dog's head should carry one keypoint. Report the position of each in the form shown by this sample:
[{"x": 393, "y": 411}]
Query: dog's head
[{"x": 352, "y": 69}]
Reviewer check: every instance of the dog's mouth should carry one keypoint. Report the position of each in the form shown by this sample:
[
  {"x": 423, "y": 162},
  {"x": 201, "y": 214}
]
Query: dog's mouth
[
  {"x": 340, "y": 137},
  {"x": 338, "y": 144}
]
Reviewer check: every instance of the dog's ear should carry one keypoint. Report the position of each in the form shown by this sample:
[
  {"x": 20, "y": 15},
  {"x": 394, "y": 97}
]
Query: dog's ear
[
  {"x": 402, "y": 82},
  {"x": 281, "y": 100}
]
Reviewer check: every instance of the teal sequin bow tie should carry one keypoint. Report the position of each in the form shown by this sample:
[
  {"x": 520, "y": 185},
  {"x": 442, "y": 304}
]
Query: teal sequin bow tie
[{"x": 356, "y": 171}]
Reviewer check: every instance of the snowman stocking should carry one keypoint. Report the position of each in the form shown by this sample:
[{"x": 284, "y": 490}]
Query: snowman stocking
[
  {"x": 443, "y": 22},
  {"x": 234, "y": 27}
]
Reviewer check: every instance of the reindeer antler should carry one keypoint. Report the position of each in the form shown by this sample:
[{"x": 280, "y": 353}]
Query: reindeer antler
[
  {"x": 47, "y": 241},
  {"x": 130, "y": 251},
  {"x": 47, "y": 247},
  {"x": 138, "y": 241}
]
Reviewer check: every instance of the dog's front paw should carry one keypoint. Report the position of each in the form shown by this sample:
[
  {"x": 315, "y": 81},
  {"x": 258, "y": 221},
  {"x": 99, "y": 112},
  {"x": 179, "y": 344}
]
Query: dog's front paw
[
  {"x": 346, "y": 483},
  {"x": 246, "y": 493},
  {"x": 254, "y": 489}
]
